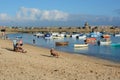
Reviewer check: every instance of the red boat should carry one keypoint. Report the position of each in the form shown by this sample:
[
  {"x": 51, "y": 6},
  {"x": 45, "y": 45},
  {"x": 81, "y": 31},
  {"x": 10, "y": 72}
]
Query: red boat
[
  {"x": 106, "y": 36},
  {"x": 90, "y": 40}
]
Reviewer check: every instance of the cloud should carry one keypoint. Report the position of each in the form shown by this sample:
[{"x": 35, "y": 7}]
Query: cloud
[
  {"x": 36, "y": 17},
  {"x": 4, "y": 17},
  {"x": 37, "y": 14}
]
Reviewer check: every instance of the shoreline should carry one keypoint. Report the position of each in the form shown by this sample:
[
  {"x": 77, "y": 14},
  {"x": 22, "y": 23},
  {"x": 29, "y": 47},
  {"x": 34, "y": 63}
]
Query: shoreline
[
  {"x": 101, "y": 56},
  {"x": 81, "y": 54},
  {"x": 37, "y": 64}
]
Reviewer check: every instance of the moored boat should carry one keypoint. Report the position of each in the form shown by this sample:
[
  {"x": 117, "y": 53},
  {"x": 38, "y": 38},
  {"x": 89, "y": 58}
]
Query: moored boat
[
  {"x": 57, "y": 37},
  {"x": 106, "y": 36},
  {"x": 61, "y": 43},
  {"x": 117, "y": 35},
  {"x": 90, "y": 40},
  {"x": 115, "y": 44},
  {"x": 104, "y": 41},
  {"x": 48, "y": 36},
  {"x": 80, "y": 45},
  {"x": 39, "y": 34},
  {"x": 82, "y": 36}
]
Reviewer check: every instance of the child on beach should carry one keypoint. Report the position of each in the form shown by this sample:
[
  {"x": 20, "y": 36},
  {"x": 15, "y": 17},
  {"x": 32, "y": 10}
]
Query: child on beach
[{"x": 54, "y": 53}]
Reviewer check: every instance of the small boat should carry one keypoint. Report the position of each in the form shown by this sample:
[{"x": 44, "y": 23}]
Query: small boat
[
  {"x": 95, "y": 34},
  {"x": 61, "y": 43},
  {"x": 106, "y": 36},
  {"x": 57, "y": 37},
  {"x": 115, "y": 44},
  {"x": 82, "y": 36},
  {"x": 48, "y": 36},
  {"x": 117, "y": 35},
  {"x": 67, "y": 35},
  {"x": 90, "y": 40},
  {"x": 38, "y": 34},
  {"x": 80, "y": 45},
  {"x": 104, "y": 41},
  {"x": 74, "y": 35}
]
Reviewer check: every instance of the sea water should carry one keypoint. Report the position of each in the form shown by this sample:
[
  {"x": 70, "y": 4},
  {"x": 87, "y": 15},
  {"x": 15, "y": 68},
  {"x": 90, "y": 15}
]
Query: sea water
[{"x": 103, "y": 51}]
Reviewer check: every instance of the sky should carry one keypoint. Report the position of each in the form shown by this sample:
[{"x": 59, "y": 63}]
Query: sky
[{"x": 59, "y": 12}]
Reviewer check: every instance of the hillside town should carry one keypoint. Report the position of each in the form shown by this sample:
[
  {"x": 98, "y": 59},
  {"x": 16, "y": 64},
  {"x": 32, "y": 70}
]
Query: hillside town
[{"x": 86, "y": 28}]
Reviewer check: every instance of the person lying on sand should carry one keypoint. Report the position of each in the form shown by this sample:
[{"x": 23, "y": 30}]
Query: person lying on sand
[
  {"x": 54, "y": 53},
  {"x": 19, "y": 48}
]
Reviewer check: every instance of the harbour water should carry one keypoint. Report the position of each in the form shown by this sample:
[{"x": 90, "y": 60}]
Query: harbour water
[{"x": 103, "y": 51}]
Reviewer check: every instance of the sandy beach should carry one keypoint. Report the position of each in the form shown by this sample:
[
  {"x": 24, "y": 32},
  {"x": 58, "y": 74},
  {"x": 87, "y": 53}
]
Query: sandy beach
[{"x": 38, "y": 64}]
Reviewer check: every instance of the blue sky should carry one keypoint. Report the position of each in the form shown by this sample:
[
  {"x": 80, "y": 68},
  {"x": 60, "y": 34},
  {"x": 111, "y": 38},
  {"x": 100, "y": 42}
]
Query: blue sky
[{"x": 59, "y": 12}]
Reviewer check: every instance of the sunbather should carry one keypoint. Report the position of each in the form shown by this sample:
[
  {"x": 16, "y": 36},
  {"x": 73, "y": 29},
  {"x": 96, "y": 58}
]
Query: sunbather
[{"x": 19, "y": 48}]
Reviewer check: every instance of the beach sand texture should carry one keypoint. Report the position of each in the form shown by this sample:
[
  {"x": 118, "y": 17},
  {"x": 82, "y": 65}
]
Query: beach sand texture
[{"x": 37, "y": 64}]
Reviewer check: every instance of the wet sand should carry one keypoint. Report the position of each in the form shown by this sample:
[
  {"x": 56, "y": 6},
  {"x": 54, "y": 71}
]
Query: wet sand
[{"x": 38, "y": 64}]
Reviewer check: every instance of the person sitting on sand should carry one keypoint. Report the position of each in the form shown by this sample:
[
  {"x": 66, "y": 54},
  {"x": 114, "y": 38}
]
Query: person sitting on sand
[
  {"x": 21, "y": 42},
  {"x": 19, "y": 48},
  {"x": 54, "y": 53},
  {"x": 14, "y": 44}
]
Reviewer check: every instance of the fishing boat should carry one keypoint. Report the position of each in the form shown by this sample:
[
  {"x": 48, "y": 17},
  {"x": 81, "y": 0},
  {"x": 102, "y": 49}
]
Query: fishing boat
[
  {"x": 61, "y": 43},
  {"x": 74, "y": 35},
  {"x": 57, "y": 37},
  {"x": 39, "y": 34},
  {"x": 95, "y": 34},
  {"x": 90, "y": 40},
  {"x": 105, "y": 36},
  {"x": 115, "y": 44},
  {"x": 104, "y": 41},
  {"x": 82, "y": 36},
  {"x": 117, "y": 35},
  {"x": 48, "y": 36},
  {"x": 80, "y": 45}
]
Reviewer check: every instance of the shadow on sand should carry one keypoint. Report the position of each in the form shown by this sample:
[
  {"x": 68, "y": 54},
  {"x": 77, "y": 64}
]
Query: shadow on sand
[
  {"x": 9, "y": 49},
  {"x": 46, "y": 55}
]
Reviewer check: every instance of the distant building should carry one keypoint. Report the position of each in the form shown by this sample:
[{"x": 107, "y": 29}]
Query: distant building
[{"x": 86, "y": 25}]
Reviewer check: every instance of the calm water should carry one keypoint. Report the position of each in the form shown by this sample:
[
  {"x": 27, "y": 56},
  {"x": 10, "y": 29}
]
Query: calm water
[{"x": 105, "y": 52}]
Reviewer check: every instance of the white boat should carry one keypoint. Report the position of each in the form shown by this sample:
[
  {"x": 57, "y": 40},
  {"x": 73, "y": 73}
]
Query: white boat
[
  {"x": 74, "y": 35},
  {"x": 82, "y": 36},
  {"x": 80, "y": 48},
  {"x": 39, "y": 34},
  {"x": 104, "y": 42},
  {"x": 117, "y": 35},
  {"x": 80, "y": 45},
  {"x": 67, "y": 35},
  {"x": 95, "y": 34},
  {"x": 57, "y": 37},
  {"x": 55, "y": 34}
]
